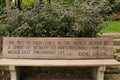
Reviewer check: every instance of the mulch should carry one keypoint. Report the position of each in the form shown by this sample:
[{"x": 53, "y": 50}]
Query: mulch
[
  {"x": 4, "y": 75},
  {"x": 51, "y": 74},
  {"x": 57, "y": 74}
]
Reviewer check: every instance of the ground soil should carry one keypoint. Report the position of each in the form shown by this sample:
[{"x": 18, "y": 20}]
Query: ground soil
[
  {"x": 58, "y": 74},
  {"x": 52, "y": 74},
  {"x": 4, "y": 75}
]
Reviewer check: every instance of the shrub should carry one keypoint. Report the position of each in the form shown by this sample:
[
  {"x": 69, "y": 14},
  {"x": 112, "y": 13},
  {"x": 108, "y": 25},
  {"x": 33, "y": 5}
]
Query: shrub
[
  {"x": 89, "y": 19},
  {"x": 54, "y": 20},
  {"x": 2, "y": 4},
  {"x": 41, "y": 21}
]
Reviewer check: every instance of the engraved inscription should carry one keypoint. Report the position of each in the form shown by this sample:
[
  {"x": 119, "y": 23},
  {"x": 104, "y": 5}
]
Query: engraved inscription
[{"x": 57, "y": 48}]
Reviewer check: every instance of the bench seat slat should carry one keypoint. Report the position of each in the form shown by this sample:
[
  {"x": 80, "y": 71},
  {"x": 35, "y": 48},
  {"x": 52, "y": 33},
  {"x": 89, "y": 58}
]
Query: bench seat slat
[{"x": 58, "y": 63}]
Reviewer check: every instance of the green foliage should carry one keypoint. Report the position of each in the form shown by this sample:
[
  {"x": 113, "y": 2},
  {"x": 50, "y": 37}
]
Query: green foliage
[
  {"x": 27, "y": 3},
  {"x": 54, "y": 20},
  {"x": 115, "y": 5},
  {"x": 2, "y": 4},
  {"x": 24, "y": 3},
  {"x": 41, "y": 21},
  {"x": 89, "y": 18},
  {"x": 63, "y": 2},
  {"x": 112, "y": 7}
]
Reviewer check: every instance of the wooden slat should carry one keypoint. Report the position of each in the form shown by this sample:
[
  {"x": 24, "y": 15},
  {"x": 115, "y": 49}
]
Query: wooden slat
[{"x": 58, "y": 63}]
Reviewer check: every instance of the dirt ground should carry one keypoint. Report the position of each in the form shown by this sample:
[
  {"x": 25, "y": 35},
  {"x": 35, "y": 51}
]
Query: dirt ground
[
  {"x": 51, "y": 74},
  {"x": 58, "y": 74},
  {"x": 4, "y": 75}
]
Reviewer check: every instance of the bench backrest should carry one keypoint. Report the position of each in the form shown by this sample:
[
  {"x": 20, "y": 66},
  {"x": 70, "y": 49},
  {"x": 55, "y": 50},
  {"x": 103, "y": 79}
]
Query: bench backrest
[{"x": 57, "y": 48}]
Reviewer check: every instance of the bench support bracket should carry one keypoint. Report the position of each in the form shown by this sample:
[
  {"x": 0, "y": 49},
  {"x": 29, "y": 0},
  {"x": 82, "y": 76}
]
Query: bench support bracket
[
  {"x": 15, "y": 72},
  {"x": 99, "y": 73}
]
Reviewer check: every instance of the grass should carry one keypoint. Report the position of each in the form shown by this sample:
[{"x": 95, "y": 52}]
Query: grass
[
  {"x": 26, "y": 3},
  {"x": 112, "y": 26}
]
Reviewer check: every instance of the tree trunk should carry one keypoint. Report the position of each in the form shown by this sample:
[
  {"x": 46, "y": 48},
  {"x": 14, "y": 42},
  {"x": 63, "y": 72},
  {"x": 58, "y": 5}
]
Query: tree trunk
[
  {"x": 40, "y": 1},
  {"x": 8, "y": 6},
  {"x": 15, "y": 3},
  {"x": 49, "y": 1},
  {"x": 19, "y": 4}
]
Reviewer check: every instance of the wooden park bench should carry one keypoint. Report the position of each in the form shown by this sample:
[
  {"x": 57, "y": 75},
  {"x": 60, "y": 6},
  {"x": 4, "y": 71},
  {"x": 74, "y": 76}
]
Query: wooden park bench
[{"x": 58, "y": 52}]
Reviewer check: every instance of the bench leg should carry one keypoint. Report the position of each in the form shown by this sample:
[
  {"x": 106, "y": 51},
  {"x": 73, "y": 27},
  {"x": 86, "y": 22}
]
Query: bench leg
[
  {"x": 15, "y": 72},
  {"x": 99, "y": 73}
]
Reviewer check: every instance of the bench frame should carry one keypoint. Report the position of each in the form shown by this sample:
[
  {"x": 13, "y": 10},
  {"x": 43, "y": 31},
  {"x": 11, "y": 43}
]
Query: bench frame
[
  {"x": 16, "y": 64},
  {"x": 98, "y": 72},
  {"x": 98, "y": 66}
]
